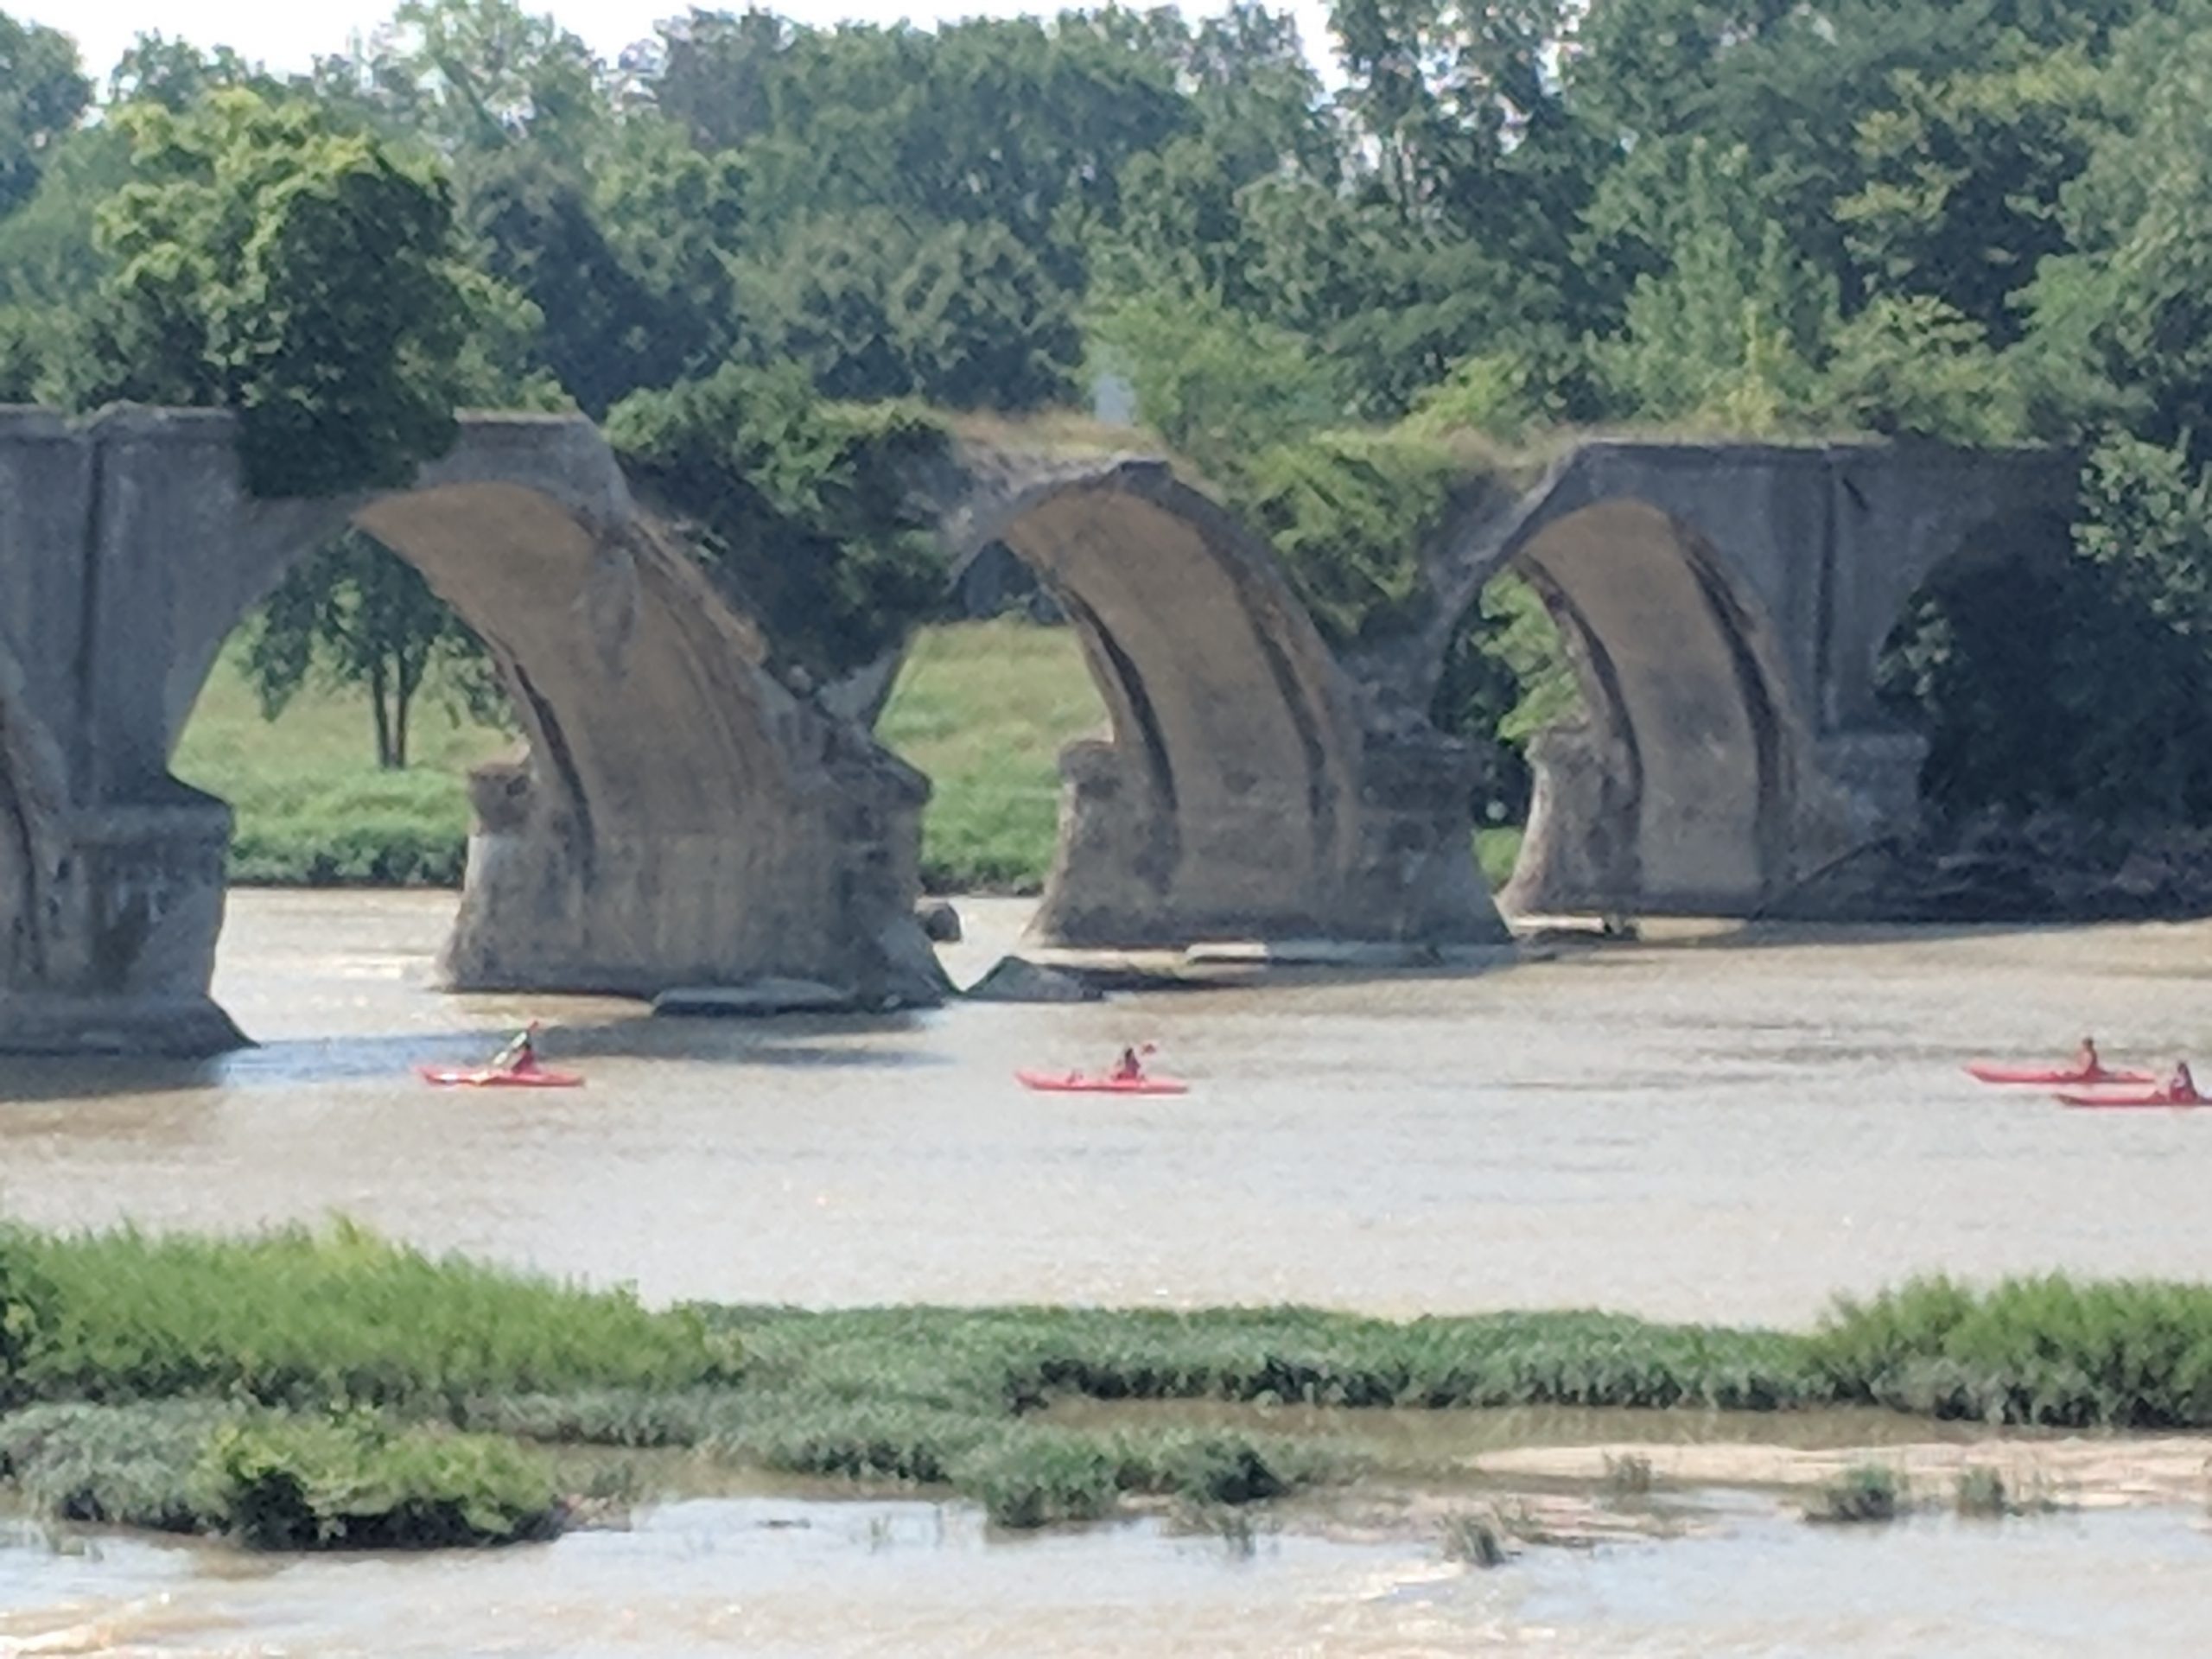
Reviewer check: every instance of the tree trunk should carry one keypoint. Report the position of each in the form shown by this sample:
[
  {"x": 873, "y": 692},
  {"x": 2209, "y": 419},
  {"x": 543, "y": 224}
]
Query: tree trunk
[
  {"x": 403, "y": 700},
  {"x": 381, "y": 708}
]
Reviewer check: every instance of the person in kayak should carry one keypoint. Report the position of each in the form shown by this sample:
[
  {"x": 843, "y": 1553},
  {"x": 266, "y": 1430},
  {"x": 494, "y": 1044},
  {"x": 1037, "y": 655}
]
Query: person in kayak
[
  {"x": 1129, "y": 1069},
  {"x": 2085, "y": 1059},
  {"x": 521, "y": 1052},
  {"x": 2181, "y": 1086}
]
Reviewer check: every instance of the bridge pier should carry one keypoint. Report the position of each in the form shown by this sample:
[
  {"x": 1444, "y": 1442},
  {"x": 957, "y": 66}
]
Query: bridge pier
[{"x": 116, "y": 954}]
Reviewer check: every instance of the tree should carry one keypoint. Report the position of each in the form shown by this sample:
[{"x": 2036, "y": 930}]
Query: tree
[
  {"x": 1218, "y": 385},
  {"x": 824, "y": 303},
  {"x": 42, "y": 94},
  {"x": 1733, "y": 331},
  {"x": 1915, "y": 367},
  {"x": 979, "y": 323},
  {"x": 263, "y": 262},
  {"x": 801, "y": 505},
  {"x": 1963, "y": 177},
  {"x": 360, "y": 616},
  {"x": 2122, "y": 322},
  {"x": 176, "y": 74}
]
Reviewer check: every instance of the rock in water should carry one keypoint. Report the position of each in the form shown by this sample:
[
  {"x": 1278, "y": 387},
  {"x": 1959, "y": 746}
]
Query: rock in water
[
  {"x": 759, "y": 997},
  {"x": 1014, "y": 980}
]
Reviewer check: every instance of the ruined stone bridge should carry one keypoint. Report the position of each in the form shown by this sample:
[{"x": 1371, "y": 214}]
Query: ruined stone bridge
[{"x": 685, "y": 818}]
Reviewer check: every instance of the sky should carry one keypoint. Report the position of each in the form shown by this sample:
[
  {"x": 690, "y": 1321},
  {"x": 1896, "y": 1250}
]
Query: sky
[{"x": 287, "y": 35}]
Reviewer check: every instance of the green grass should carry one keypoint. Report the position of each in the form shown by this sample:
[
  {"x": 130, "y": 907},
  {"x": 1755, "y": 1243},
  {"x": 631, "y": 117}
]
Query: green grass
[
  {"x": 317, "y": 1321},
  {"x": 312, "y": 808},
  {"x": 984, "y": 708},
  {"x": 303, "y": 1389}
]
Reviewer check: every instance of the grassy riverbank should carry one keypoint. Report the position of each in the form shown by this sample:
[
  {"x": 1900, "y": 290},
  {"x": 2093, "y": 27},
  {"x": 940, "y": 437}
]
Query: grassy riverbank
[
  {"x": 330, "y": 1389},
  {"x": 984, "y": 710}
]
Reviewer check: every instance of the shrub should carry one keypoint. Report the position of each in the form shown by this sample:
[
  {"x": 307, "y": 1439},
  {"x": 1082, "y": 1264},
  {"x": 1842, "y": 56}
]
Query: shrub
[
  {"x": 1865, "y": 1492},
  {"x": 359, "y": 1484},
  {"x": 136, "y": 1465},
  {"x": 1037, "y": 1476}
]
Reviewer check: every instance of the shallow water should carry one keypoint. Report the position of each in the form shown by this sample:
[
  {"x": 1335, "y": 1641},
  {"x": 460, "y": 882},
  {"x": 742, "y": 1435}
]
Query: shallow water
[
  {"x": 1727, "y": 1129},
  {"x": 779, "y": 1578}
]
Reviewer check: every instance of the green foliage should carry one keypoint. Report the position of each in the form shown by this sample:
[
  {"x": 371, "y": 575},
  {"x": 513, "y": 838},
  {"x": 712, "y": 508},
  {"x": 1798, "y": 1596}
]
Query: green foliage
[
  {"x": 1914, "y": 367},
  {"x": 1963, "y": 177},
  {"x": 24, "y": 346},
  {"x": 43, "y": 91},
  {"x": 356, "y": 1482},
  {"x": 134, "y": 1465},
  {"x": 1350, "y": 513},
  {"x": 1502, "y": 395},
  {"x": 2113, "y": 1355},
  {"x": 263, "y": 260},
  {"x": 309, "y": 1321},
  {"x": 1042, "y": 1477},
  {"x": 965, "y": 316},
  {"x": 1218, "y": 385},
  {"x": 1731, "y": 333},
  {"x": 801, "y": 506},
  {"x": 364, "y": 617},
  {"x": 1980, "y": 1492}
]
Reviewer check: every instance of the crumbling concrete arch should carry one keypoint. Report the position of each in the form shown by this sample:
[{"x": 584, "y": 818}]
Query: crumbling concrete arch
[
  {"x": 1677, "y": 791},
  {"x": 1238, "y": 792},
  {"x": 682, "y": 818},
  {"x": 1691, "y": 784}
]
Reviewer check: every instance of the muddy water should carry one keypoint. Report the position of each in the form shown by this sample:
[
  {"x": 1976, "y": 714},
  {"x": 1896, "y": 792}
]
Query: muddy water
[
  {"x": 776, "y": 1579},
  {"x": 1730, "y": 1127},
  {"x": 1725, "y": 1128}
]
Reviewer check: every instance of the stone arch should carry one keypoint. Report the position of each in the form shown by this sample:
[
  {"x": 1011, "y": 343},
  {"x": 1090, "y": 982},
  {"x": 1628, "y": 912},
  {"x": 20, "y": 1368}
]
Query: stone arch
[
  {"x": 2029, "y": 534},
  {"x": 1234, "y": 795},
  {"x": 1678, "y": 791},
  {"x": 681, "y": 819}
]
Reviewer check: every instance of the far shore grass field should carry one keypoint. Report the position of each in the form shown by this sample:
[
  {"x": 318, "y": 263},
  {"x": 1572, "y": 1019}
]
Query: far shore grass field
[{"x": 983, "y": 709}]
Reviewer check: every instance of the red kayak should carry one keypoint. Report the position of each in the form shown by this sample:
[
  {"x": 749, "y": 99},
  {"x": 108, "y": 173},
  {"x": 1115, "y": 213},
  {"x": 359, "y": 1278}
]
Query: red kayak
[
  {"x": 1075, "y": 1083},
  {"x": 1997, "y": 1071},
  {"x": 2140, "y": 1097},
  {"x": 483, "y": 1077}
]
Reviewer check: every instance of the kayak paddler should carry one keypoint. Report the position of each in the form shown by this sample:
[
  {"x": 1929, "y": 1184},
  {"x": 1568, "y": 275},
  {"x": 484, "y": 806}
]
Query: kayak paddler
[
  {"x": 2181, "y": 1086},
  {"x": 521, "y": 1052},
  {"x": 2085, "y": 1059},
  {"x": 1129, "y": 1068}
]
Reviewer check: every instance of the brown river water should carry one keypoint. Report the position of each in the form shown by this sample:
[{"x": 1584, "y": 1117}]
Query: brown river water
[{"x": 1726, "y": 1126}]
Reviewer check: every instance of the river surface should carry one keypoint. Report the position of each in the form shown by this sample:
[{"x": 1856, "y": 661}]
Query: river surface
[
  {"x": 1730, "y": 1128},
  {"x": 769, "y": 1579}
]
